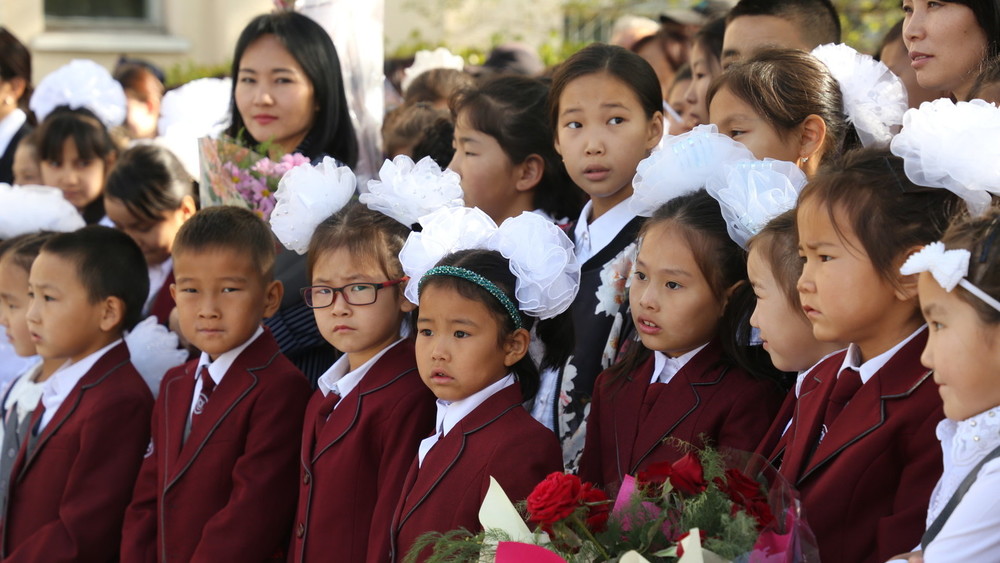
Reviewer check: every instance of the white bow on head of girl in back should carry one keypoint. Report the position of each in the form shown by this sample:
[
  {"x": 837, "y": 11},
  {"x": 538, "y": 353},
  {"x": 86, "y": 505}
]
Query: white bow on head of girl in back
[
  {"x": 541, "y": 256},
  {"x": 81, "y": 84},
  {"x": 30, "y": 209},
  {"x": 308, "y": 195},
  {"x": 682, "y": 165},
  {"x": 752, "y": 192},
  {"x": 948, "y": 267},
  {"x": 953, "y": 146},
  {"x": 874, "y": 97}
]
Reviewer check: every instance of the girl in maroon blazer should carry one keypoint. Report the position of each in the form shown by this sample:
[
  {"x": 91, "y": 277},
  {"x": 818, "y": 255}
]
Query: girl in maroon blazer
[
  {"x": 861, "y": 448},
  {"x": 478, "y": 307},
  {"x": 689, "y": 379}
]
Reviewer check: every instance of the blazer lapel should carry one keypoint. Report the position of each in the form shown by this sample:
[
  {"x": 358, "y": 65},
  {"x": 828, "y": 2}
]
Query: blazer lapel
[
  {"x": 628, "y": 406},
  {"x": 680, "y": 399},
  {"x": 808, "y": 419},
  {"x": 177, "y": 403}
]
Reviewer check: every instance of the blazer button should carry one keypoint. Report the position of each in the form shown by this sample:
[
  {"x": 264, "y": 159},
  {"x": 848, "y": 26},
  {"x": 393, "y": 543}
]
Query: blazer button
[
  {"x": 301, "y": 530},
  {"x": 305, "y": 478}
]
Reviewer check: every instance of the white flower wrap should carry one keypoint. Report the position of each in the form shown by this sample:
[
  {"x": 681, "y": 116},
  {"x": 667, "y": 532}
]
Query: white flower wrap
[
  {"x": 541, "y": 256},
  {"x": 430, "y": 60},
  {"x": 681, "y": 166},
  {"x": 29, "y": 209},
  {"x": 81, "y": 84},
  {"x": 154, "y": 350},
  {"x": 406, "y": 191},
  {"x": 874, "y": 98},
  {"x": 954, "y": 146},
  {"x": 752, "y": 192},
  {"x": 305, "y": 197}
]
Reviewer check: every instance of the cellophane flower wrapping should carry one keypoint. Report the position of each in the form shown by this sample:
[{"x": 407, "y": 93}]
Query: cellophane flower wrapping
[
  {"x": 232, "y": 174},
  {"x": 719, "y": 505}
]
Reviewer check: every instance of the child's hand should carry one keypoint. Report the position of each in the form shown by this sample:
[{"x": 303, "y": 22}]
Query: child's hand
[{"x": 912, "y": 557}]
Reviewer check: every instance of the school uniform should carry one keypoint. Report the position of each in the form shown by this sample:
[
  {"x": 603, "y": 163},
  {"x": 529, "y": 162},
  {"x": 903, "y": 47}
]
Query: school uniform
[
  {"x": 865, "y": 478},
  {"x": 19, "y": 402},
  {"x": 598, "y": 245},
  {"x": 160, "y": 302},
  {"x": 354, "y": 459},
  {"x": 72, "y": 479},
  {"x": 221, "y": 486},
  {"x": 691, "y": 398},
  {"x": 13, "y": 128},
  {"x": 447, "y": 483}
]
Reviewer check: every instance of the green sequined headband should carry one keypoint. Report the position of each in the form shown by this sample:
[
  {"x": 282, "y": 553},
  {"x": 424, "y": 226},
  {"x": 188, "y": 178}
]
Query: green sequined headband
[{"x": 482, "y": 282}]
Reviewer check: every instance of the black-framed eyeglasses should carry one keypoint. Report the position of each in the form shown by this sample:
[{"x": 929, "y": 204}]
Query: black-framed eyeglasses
[{"x": 319, "y": 296}]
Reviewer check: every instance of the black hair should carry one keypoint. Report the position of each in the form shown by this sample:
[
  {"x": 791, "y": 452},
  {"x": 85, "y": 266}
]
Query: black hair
[
  {"x": 437, "y": 142},
  {"x": 150, "y": 181},
  {"x": 92, "y": 140},
  {"x": 987, "y": 84},
  {"x": 723, "y": 264},
  {"x": 511, "y": 109},
  {"x": 630, "y": 69},
  {"x": 817, "y": 20},
  {"x": 978, "y": 235},
  {"x": 556, "y": 334},
  {"x": 109, "y": 264},
  {"x": 15, "y": 62},
  {"x": 332, "y": 132},
  {"x": 437, "y": 86},
  {"x": 369, "y": 236},
  {"x": 23, "y": 249},
  {"x": 230, "y": 228},
  {"x": 710, "y": 37}
]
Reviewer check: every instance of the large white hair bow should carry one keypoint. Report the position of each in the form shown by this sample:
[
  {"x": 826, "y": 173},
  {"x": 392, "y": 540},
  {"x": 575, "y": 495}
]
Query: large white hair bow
[
  {"x": 954, "y": 146},
  {"x": 29, "y": 209},
  {"x": 874, "y": 97},
  {"x": 305, "y": 197},
  {"x": 949, "y": 268},
  {"x": 406, "y": 191},
  {"x": 81, "y": 84},
  {"x": 752, "y": 192},
  {"x": 430, "y": 60},
  {"x": 681, "y": 166},
  {"x": 541, "y": 256}
]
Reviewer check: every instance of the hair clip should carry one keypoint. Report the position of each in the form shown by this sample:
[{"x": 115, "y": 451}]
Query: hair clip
[{"x": 948, "y": 267}]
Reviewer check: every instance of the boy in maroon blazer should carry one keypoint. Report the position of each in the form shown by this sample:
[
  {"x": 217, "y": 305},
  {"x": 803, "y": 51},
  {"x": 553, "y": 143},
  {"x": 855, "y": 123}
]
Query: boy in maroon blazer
[
  {"x": 73, "y": 476},
  {"x": 219, "y": 479}
]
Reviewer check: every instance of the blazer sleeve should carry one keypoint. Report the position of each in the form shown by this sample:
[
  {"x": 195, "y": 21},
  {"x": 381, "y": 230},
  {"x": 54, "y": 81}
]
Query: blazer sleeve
[
  {"x": 113, "y": 437},
  {"x": 139, "y": 531},
  {"x": 751, "y": 414},
  {"x": 261, "y": 506},
  {"x": 901, "y": 530}
]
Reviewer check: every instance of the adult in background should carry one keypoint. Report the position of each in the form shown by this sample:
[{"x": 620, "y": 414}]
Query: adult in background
[{"x": 16, "y": 119}]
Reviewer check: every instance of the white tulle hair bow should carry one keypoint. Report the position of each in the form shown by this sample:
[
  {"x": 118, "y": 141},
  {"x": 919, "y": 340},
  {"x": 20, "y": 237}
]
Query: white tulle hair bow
[
  {"x": 406, "y": 191},
  {"x": 954, "y": 146},
  {"x": 430, "y": 60},
  {"x": 682, "y": 165},
  {"x": 197, "y": 109},
  {"x": 948, "y": 267},
  {"x": 305, "y": 197},
  {"x": 752, "y": 192},
  {"x": 29, "y": 209},
  {"x": 874, "y": 98},
  {"x": 81, "y": 84},
  {"x": 541, "y": 256}
]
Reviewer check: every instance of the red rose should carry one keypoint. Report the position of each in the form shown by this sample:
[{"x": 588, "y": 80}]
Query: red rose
[
  {"x": 687, "y": 475},
  {"x": 761, "y": 512},
  {"x": 554, "y": 499},
  {"x": 599, "y": 508},
  {"x": 656, "y": 473},
  {"x": 739, "y": 487}
]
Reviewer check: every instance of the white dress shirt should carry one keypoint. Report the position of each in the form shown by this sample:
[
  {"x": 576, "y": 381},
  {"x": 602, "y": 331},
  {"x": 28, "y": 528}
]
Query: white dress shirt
[
  {"x": 158, "y": 274},
  {"x": 59, "y": 385},
  {"x": 665, "y": 367},
  {"x": 339, "y": 380},
  {"x": 590, "y": 237},
  {"x": 219, "y": 367},
  {"x": 868, "y": 369},
  {"x": 9, "y": 126},
  {"x": 450, "y": 413}
]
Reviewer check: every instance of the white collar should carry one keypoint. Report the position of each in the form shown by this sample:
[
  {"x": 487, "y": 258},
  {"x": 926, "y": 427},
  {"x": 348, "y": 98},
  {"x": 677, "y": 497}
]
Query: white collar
[
  {"x": 158, "y": 275},
  {"x": 665, "y": 367},
  {"x": 9, "y": 126},
  {"x": 592, "y": 237},
  {"x": 341, "y": 381},
  {"x": 868, "y": 369},
  {"x": 802, "y": 374},
  {"x": 964, "y": 444},
  {"x": 59, "y": 385},
  {"x": 449, "y": 414},
  {"x": 221, "y": 365}
]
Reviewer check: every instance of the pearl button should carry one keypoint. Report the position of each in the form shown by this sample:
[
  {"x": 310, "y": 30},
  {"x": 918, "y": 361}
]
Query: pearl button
[
  {"x": 975, "y": 438},
  {"x": 300, "y": 530}
]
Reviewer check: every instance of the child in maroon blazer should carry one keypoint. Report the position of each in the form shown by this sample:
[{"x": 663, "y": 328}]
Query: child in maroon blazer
[
  {"x": 689, "y": 379},
  {"x": 472, "y": 352},
  {"x": 218, "y": 481},
  {"x": 861, "y": 448},
  {"x": 73, "y": 475}
]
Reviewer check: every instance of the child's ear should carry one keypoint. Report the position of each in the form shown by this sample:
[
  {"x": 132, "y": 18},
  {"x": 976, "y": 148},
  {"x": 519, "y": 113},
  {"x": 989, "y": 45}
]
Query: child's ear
[
  {"x": 906, "y": 286},
  {"x": 516, "y": 346},
  {"x": 655, "y": 131},
  {"x": 272, "y": 297},
  {"x": 188, "y": 207},
  {"x": 405, "y": 305},
  {"x": 112, "y": 313},
  {"x": 729, "y": 293},
  {"x": 173, "y": 292},
  {"x": 529, "y": 173},
  {"x": 811, "y": 141}
]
